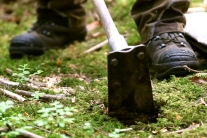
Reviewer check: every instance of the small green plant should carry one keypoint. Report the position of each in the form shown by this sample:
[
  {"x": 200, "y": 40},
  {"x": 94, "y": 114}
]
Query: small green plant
[
  {"x": 88, "y": 127},
  {"x": 11, "y": 121},
  {"x": 24, "y": 74},
  {"x": 57, "y": 115},
  {"x": 4, "y": 106},
  {"x": 36, "y": 96}
]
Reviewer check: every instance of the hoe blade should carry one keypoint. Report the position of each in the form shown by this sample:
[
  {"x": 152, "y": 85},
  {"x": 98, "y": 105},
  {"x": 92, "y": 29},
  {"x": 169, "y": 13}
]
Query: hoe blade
[{"x": 129, "y": 85}]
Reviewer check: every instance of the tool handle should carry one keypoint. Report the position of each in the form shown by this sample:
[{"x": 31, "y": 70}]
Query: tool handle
[{"x": 116, "y": 41}]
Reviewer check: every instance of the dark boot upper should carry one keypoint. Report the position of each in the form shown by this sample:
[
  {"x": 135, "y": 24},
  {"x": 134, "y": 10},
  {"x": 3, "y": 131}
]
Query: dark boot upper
[
  {"x": 154, "y": 17},
  {"x": 58, "y": 23},
  {"x": 50, "y": 33},
  {"x": 169, "y": 52},
  {"x": 45, "y": 34},
  {"x": 170, "y": 47}
]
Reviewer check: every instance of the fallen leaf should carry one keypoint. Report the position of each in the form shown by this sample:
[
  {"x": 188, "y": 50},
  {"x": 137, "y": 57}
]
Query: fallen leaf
[
  {"x": 199, "y": 80},
  {"x": 72, "y": 66},
  {"x": 26, "y": 114},
  {"x": 178, "y": 117},
  {"x": 59, "y": 62},
  {"x": 90, "y": 27},
  {"x": 96, "y": 133}
]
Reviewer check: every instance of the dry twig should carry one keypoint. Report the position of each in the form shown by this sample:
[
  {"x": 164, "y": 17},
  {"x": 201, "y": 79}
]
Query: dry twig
[
  {"x": 96, "y": 47},
  {"x": 190, "y": 70},
  {"x": 12, "y": 95},
  {"x": 28, "y": 134},
  {"x": 23, "y": 133},
  {"x": 3, "y": 130},
  {"x": 45, "y": 96},
  {"x": 125, "y": 129},
  {"x": 9, "y": 71},
  {"x": 39, "y": 84},
  {"x": 191, "y": 127},
  {"x": 5, "y": 82}
]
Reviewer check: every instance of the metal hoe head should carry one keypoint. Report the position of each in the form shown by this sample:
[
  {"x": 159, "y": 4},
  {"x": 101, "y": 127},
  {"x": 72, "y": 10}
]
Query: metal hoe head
[{"x": 129, "y": 85}]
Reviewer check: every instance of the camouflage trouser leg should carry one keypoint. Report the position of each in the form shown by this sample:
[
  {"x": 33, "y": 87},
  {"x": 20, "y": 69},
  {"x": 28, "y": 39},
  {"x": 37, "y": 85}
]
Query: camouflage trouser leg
[
  {"x": 71, "y": 9},
  {"x": 154, "y": 17}
]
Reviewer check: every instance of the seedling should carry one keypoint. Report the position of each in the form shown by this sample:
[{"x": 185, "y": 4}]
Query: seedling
[{"x": 23, "y": 74}]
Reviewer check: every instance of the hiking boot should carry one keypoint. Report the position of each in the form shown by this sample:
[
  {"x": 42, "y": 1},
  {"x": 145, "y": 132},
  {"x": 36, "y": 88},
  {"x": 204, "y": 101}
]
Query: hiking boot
[
  {"x": 168, "y": 53},
  {"x": 46, "y": 33}
]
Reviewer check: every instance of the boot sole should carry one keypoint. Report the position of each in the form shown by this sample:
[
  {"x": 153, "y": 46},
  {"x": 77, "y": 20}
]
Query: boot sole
[{"x": 174, "y": 68}]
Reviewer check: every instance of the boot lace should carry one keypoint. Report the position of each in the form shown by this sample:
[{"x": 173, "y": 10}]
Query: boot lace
[{"x": 172, "y": 37}]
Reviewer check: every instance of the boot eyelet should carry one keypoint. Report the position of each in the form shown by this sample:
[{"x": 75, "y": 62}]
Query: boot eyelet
[
  {"x": 44, "y": 32},
  {"x": 52, "y": 24},
  {"x": 182, "y": 44},
  {"x": 181, "y": 35},
  {"x": 48, "y": 33},
  {"x": 162, "y": 46},
  {"x": 157, "y": 38}
]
